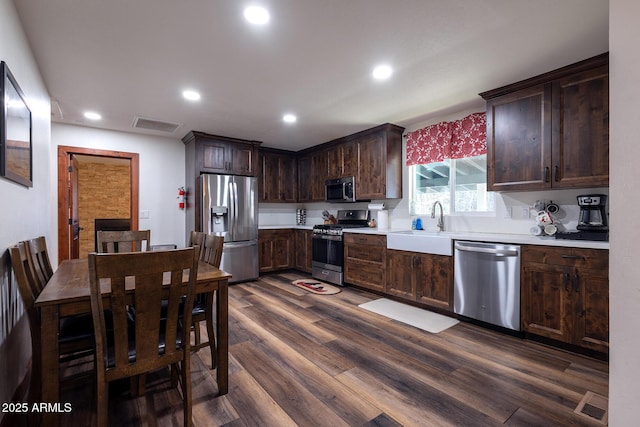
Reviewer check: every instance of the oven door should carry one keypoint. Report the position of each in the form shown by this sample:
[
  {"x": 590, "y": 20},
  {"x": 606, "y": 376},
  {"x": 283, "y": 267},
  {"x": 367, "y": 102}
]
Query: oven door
[{"x": 327, "y": 251}]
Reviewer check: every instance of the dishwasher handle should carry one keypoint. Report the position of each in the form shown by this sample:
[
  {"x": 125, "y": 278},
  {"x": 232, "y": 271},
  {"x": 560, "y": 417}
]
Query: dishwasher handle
[{"x": 486, "y": 250}]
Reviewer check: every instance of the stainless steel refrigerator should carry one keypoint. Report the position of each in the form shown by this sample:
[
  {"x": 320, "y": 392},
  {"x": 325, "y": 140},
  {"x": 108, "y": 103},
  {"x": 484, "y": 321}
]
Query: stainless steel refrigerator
[{"x": 229, "y": 208}]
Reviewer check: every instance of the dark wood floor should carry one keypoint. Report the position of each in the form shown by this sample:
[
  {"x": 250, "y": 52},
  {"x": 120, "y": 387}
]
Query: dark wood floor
[{"x": 302, "y": 359}]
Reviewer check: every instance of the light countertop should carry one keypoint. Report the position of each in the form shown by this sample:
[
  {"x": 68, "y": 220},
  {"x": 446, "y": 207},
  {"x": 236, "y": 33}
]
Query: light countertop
[{"x": 522, "y": 239}]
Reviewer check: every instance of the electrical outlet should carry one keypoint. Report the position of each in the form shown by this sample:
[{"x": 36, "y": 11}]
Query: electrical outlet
[
  {"x": 144, "y": 214},
  {"x": 507, "y": 212},
  {"x": 525, "y": 212}
]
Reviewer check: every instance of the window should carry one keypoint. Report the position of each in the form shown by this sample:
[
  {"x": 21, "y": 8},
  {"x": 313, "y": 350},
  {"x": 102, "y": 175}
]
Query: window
[{"x": 459, "y": 184}]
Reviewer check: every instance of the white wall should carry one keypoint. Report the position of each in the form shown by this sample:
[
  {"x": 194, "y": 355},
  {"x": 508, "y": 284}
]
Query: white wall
[
  {"x": 162, "y": 172},
  {"x": 624, "y": 373},
  {"x": 25, "y": 212}
]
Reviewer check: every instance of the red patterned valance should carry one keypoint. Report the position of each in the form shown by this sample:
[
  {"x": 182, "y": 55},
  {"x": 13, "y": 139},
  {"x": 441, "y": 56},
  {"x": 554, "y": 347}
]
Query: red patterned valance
[{"x": 448, "y": 140}]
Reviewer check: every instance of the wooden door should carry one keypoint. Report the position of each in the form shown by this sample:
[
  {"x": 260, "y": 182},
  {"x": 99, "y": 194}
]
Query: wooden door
[
  {"x": 591, "y": 294},
  {"x": 519, "y": 140},
  {"x": 372, "y": 165},
  {"x": 65, "y": 195},
  {"x": 74, "y": 222},
  {"x": 580, "y": 132},
  {"x": 547, "y": 306},
  {"x": 242, "y": 159},
  {"x": 318, "y": 175},
  {"x": 401, "y": 273},
  {"x": 288, "y": 172},
  {"x": 435, "y": 281}
]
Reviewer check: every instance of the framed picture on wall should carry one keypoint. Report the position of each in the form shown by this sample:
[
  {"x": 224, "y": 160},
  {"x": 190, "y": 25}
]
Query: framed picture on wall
[{"x": 15, "y": 132}]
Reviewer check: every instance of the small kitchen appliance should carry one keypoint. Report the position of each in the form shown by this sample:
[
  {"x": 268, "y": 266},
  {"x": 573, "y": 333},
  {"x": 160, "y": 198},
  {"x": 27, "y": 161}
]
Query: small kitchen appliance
[{"x": 593, "y": 216}]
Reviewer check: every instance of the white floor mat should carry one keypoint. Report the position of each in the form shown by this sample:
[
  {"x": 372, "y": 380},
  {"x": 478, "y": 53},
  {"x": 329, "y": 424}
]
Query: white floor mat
[{"x": 423, "y": 319}]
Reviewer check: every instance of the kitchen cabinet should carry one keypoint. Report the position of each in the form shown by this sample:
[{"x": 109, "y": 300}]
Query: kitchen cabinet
[
  {"x": 206, "y": 153},
  {"x": 275, "y": 249},
  {"x": 565, "y": 295},
  {"x": 278, "y": 180},
  {"x": 342, "y": 160},
  {"x": 365, "y": 259},
  {"x": 421, "y": 277},
  {"x": 379, "y": 163},
  {"x": 550, "y": 131},
  {"x": 302, "y": 257},
  {"x": 219, "y": 154},
  {"x": 312, "y": 174}
]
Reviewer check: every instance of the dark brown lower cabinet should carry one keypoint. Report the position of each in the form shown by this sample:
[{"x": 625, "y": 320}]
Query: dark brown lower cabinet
[
  {"x": 365, "y": 260},
  {"x": 565, "y": 295},
  {"x": 275, "y": 249},
  {"x": 302, "y": 257},
  {"x": 420, "y": 277}
]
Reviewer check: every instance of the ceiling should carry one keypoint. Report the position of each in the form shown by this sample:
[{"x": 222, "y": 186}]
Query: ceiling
[{"x": 128, "y": 59}]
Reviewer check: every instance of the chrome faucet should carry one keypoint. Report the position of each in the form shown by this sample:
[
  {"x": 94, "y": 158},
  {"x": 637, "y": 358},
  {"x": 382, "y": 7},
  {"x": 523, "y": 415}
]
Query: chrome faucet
[{"x": 433, "y": 215}]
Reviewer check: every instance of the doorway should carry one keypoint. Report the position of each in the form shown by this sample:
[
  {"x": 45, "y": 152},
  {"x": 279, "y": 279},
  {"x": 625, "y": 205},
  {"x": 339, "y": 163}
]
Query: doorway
[{"x": 93, "y": 183}]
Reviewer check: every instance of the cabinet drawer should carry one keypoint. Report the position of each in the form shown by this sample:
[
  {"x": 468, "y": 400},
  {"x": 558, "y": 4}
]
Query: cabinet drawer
[
  {"x": 365, "y": 239},
  {"x": 574, "y": 257},
  {"x": 368, "y": 275},
  {"x": 366, "y": 253}
]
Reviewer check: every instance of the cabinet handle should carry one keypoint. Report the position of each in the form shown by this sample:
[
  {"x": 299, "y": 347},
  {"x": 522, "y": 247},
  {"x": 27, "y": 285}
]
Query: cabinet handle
[
  {"x": 546, "y": 174},
  {"x": 556, "y": 173},
  {"x": 566, "y": 281},
  {"x": 576, "y": 282},
  {"x": 573, "y": 257}
]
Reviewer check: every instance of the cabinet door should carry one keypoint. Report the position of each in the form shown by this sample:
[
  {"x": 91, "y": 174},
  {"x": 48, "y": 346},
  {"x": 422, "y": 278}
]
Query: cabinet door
[
  {"x": 371, "y": 178},
  {"x": 303, "y": 250},
  {"x": 269, "y": 179},
  {"x": 590, "y": 289},
  {"x": 546, "y": 301},
  {"x": 342, "y": 160},
  {"x": 265, "y": 254},
  {"x": 243, "y": 159},
  {"x": 401, "y": 273},
  {"x": 304, "y": 179},
  {"x": 519, "y": 140},
  {"x": 282, "y": 249},
  {"x": 215, "y": 157},
  {"x": 580, "y": 132},
  {"x": 288, "y": 183},
  {"x": 435, "y": 281},
  {"x": 318, "y": 175}
]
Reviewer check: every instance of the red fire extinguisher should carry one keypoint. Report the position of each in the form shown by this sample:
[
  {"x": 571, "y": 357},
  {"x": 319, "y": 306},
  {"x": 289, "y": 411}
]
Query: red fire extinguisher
[{"x": 181, "y": 197}]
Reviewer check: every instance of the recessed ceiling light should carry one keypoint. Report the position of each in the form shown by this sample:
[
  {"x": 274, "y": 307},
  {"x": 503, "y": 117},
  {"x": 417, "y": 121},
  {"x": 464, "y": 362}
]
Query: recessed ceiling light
[
  {"x": 382, "y": 72},
  {"x": 91, "y": 115},
  {"x": 191, "y": 95},
  {"x": 289, "y": 118},
  {"x": 256, "y": 15}
]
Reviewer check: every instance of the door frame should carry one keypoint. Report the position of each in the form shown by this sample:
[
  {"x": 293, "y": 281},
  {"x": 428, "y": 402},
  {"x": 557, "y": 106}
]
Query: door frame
[{"x": 64, "y": 161}]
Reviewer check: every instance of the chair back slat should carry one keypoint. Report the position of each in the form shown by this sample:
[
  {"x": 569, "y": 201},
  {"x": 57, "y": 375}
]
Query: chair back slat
[
  {"x": 27, "y": 284},
  {"x": 123, "y": 241},
  {"x": 212, "y": 249},
  {"x": 40, "y": 261},
  {"x": 139, "y": 279}
]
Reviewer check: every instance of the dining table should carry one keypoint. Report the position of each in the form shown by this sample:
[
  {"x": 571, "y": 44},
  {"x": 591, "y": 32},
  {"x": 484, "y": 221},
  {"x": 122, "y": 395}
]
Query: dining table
[{"x": 67, "y": 293}]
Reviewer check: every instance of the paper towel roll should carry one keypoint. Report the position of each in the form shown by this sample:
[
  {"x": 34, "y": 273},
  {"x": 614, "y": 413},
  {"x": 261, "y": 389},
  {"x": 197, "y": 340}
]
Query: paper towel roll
[
  {"x": 383, "y": 219},
  {"x": 376, "y": 206}
]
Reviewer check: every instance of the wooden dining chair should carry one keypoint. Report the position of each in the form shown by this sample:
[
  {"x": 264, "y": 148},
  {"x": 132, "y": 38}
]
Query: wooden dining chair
[
  {"x": 40, "y": 261},
  {"x": 197, "y": 239},
  {"x": 203, "y": 309},
  {"x": 147, "y": 343},
  {"x": 124, "y": 241},
  {"x": 75, "y": 337}
]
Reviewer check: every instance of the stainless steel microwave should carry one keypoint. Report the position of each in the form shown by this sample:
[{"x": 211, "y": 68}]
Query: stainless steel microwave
[{"x": 341, "y": 189}]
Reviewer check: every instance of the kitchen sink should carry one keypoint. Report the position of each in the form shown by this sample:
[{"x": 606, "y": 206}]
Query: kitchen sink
[{"x": 421, "y": 241}]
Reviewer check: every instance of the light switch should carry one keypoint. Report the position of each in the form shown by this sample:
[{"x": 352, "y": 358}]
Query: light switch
[{"x": 144, "y": 214}]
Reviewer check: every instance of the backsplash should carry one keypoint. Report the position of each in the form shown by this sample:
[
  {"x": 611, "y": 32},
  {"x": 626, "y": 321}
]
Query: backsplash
[{"x": 514, "y": 213}]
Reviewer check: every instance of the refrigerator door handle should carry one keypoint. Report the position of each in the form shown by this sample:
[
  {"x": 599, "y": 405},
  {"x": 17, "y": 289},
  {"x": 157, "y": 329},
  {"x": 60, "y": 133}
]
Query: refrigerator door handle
[{"x": 235, "y": 207}]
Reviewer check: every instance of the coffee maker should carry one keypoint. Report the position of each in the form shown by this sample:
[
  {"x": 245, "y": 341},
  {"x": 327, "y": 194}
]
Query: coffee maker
[{"x": 593, "y": 216}]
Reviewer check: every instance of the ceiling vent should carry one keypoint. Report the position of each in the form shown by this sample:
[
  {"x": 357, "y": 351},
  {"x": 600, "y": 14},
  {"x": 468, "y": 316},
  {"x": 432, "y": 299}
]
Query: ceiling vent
[{"x": 157, "y": 125}]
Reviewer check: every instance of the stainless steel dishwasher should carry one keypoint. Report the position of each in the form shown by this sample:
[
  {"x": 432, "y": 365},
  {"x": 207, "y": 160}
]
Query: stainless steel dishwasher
[{"x": 487, "y": 283}]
